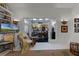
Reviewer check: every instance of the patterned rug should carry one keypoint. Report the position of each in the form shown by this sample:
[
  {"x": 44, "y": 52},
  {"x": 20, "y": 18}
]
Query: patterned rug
[{"x": 41, "y": 53}]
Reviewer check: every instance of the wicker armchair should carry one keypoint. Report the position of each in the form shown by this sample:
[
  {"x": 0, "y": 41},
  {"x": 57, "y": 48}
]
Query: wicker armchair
[{"x": 25, "y": 42}]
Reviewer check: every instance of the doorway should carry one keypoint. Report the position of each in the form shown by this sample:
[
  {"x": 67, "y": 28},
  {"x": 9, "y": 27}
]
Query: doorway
[
  {"x": 40, "y": 29},
  {"x": 40, "y": 32}
]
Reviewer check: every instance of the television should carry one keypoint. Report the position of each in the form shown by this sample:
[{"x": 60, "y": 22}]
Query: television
[
  {"x": 13, "y": 27},
  {"x": 7, "y": 27}
]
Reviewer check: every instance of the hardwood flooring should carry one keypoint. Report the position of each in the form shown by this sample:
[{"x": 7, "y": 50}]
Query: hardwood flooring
[{"x": 63, "y": 52}]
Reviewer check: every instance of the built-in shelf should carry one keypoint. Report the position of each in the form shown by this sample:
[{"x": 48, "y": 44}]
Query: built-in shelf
[
  {"x": 7, "y": 20},
  {"x": 5, "y": 9},
  {"x": 5, "y": 14}
]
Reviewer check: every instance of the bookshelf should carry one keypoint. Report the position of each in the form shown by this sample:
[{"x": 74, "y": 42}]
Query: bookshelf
[
  {"x": 6, "y": 18},
  {"x": 4, "y": 7},
  {"x": 5, "y": 14}
]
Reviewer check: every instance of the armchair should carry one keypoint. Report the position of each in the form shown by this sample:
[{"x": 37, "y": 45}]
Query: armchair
[{"x": 25, "y": 42}]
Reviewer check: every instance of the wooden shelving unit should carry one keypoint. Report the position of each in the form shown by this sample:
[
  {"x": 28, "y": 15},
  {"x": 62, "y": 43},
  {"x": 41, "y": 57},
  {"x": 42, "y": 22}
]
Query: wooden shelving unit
[
  {"x": 5, "y": 16},
  {"x": 5, "y": 13},
  {"x": 5, "y": 9}
]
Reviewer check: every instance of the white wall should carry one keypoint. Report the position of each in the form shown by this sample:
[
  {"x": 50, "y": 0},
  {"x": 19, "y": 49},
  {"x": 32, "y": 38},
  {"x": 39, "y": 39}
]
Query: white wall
[
  {"x": 61, "y": 38},
  {"x": 74, "y": 36}
]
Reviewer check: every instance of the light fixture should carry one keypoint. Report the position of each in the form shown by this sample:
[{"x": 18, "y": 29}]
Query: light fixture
[
  {"x": 34, "y": 19},
  {"x": 40, "y": 19},
  {"x": 64, "y": 21},
  {"x": 53, "y": 23},
  {"x": 16, "y": 20}
]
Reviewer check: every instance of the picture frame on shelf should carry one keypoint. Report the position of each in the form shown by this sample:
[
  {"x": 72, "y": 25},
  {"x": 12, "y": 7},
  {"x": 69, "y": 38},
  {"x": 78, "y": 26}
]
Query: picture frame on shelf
[
  {"x": 76, "y": 19},
  {"x": 64, "y": 29}
]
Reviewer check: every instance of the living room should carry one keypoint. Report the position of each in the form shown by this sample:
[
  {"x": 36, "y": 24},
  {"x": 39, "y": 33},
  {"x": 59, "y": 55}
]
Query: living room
[{"x": 52, "y": 26}]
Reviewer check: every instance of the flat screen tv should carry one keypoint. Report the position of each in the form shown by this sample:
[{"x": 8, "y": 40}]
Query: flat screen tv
[
  {"x": 6, "y": 27},
  {"x": 13, "y": 27}
]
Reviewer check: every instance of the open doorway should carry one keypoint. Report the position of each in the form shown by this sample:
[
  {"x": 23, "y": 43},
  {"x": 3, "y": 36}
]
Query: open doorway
[
  {"x": 40, "y": 29},
  {"x": 40, "y": 32}
]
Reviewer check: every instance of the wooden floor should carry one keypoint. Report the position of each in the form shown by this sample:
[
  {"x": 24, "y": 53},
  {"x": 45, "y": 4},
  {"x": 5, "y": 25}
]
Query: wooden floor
[{"x": 41, "y": 53}]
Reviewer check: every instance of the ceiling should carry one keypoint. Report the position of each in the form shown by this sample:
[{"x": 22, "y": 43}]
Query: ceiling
[
  {"x": 44, "y": 5},
  {"x": 21, "y": 10}
]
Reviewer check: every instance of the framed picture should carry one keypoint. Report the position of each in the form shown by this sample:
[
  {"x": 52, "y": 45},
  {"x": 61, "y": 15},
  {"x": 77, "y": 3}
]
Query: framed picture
[
  {"x": 76, "y": 19},
  {"x": 64, "y": 28}
]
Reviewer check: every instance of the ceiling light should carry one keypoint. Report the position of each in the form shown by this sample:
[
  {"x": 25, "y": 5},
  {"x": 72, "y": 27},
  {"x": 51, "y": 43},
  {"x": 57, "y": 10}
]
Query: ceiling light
[
  {"x": 34, "y": 19},
  {"x": 40, "y": 19}
]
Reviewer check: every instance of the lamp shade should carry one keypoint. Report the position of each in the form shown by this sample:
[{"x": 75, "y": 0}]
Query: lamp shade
[{"x": 64, "y": 22}]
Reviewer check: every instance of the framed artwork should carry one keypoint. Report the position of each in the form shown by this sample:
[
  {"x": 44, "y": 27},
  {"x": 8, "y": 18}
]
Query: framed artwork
[
  {"x": 64, "y": 29},
  {"x": 76, "y": 25},
  {"x": 76, "y": 20}
]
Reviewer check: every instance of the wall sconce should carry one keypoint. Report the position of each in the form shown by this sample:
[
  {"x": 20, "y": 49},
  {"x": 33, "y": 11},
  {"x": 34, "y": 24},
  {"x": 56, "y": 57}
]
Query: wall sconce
[
  {"x": 64, "y": 21},
  {"x": 64, "y": 27},
  {"x": 34, "y": 19},
  {"x": 40, "y": 19}
]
